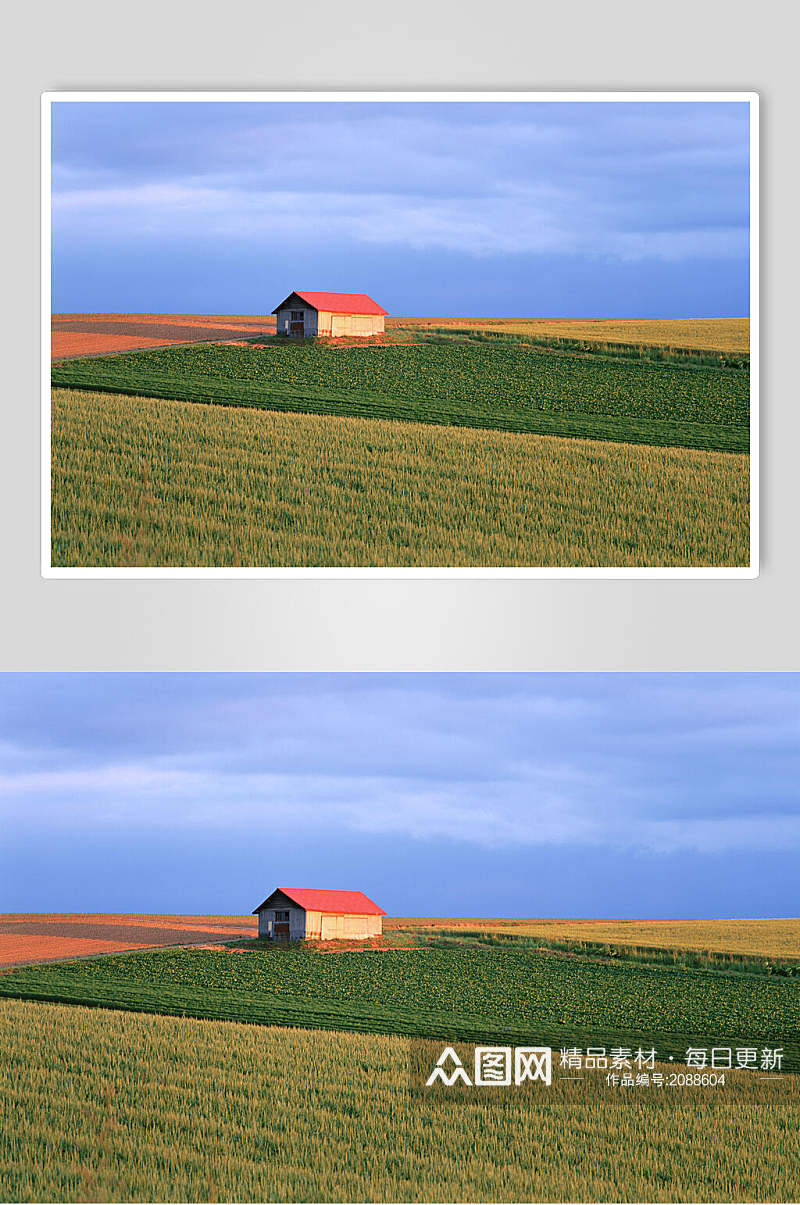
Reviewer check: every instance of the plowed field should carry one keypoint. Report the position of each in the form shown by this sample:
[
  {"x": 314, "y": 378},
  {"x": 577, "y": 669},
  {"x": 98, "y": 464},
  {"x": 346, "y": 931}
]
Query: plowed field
[
  {"x": 95, "y": 334},
  {"x": 35, "y": 937}
]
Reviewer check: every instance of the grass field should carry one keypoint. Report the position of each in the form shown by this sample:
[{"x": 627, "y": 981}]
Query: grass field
[
  {"x": 143, "y": 482},
  {"x": 110, "y": 1104},
  {"x": 470, "y": 993},
  {"x": 120, "y": 1107},
  {"x": 768, "y": 938},
  {"x": 409, "y": 484},
  {"x": 505, "y": 386},
  {"x": 731, "y": 335}
]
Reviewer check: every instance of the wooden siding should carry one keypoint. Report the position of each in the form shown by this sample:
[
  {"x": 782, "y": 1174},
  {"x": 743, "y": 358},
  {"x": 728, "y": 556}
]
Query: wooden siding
[
  {"x": 325, "y": 926},
  {"x": 339, "y": 926},
  {"x": 284, "y": 319},
  {"x": 297, "y": 923},
  {"x": 353, "y": 325},
  {"x": 278, "y": 902}
]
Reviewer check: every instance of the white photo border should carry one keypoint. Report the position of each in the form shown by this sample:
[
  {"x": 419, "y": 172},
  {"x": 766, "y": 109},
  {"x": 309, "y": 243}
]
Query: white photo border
[{"x": 48, "y": 570}]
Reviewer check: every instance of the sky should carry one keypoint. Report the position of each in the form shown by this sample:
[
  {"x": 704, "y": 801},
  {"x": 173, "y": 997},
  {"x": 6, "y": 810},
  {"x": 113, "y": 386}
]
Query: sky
[
  {"x": 537, "y": 209},
  {"x": 446, "y": 795}
]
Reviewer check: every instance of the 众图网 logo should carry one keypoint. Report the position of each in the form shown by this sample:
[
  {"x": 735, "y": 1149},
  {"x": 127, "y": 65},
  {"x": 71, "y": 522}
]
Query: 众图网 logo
[{"x": 495, "y": 1067}]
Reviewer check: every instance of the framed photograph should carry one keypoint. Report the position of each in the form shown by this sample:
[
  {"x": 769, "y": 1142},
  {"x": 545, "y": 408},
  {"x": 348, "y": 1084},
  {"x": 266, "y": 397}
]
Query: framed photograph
[
  {"x": 353, "y": 333},
  {"x": 400, "y": 937}
]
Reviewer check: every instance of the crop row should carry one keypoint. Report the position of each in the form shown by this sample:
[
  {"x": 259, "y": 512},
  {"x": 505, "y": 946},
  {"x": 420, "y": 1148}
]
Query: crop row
[
  {"x": 770, "y": 940},
  {"x": 454, "y": 372},
  {"x": 473, "y": 987},
  {"x": 117, "y": 1107},
  {"x": 482, "y": 982},
  {"x": 138, "y": 481},
  {"x": 459, "y": 385},
  {"x": 269, "y": 1008},
  {"x": 591, "y": 346},
  {"x": 312, "y": 400}
]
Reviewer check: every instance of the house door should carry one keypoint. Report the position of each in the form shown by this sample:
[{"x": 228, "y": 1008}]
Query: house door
[
  {"x": 282, "y": 930},
  {"x": 296, "y": 328}
]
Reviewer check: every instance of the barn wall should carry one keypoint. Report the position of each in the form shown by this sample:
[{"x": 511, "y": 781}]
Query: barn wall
[
  {"x": 327, "y": 926},
  {"x": 297, "y": 922},
  {"x": 284, "y": 317},
  {"x": 355, "y": 324},
  {"x": 339, "y": 927},
  {"x": 313, "y": 924},
  {"x": 326, "y": 323}
]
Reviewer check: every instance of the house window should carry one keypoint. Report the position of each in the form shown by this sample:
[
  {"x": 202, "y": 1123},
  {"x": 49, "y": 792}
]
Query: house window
[
  {"x": 281, "y": 916},
  {"x": 297, "y": 315}
]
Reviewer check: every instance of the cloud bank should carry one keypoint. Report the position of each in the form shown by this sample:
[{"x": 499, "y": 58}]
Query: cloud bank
[
  {"x": 654, "y": 763},
  {"x": 483, "y": 185}
]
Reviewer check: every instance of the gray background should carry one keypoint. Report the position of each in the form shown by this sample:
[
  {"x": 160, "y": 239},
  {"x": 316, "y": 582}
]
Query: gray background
[{"x": 394, "y": 623}]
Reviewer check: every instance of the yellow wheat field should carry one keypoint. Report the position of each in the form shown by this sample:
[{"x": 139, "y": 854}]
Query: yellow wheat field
[
  {"x": 767, "y": 938},
  {"x": 764, "y": 938},
  {"x": 109, "y": 1106},
  {"x": 139, "y": 481},
  {"x": 701, "y": 334}
]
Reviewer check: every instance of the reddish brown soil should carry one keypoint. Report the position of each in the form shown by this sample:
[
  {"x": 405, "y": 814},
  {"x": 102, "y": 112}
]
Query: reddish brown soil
[
  {"x": 65, "y": 345},
  {"x": 96, "y": 334},
  {"x": 99, "y": 334},
  {"x": 367, "y": 943},
  {"x": 33, "y": 937},
  {"x": 342, "y": 946}
]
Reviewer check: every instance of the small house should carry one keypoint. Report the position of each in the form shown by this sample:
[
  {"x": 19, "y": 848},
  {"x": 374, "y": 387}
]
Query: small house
[
  {"x": 295, "y": 914},
  {"x": 331, "y": 314}
]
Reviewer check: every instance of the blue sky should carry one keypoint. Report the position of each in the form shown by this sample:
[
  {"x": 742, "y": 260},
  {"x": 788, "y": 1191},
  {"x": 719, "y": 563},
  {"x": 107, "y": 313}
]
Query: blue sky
[
  {"x": 463, "y": 794},
  {"x": 476, "y": 209}
]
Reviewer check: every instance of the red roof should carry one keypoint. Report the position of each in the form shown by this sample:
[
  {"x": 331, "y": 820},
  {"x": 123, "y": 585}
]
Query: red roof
[
  {"x": 313, "y": 899},
  {"x": 337, "y": 303}
]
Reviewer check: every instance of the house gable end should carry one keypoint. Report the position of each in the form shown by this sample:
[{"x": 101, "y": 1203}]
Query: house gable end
[
  {"x": 277, "y": 900},
  {"x": 294, "y": 301}
]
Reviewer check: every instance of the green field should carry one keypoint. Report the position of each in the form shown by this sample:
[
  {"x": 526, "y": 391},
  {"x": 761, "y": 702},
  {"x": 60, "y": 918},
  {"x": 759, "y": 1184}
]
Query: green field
[
  {"x": 137, "y": 481},
  {"x": 119, "y": 1107},
  {"x": 455, "y": 449},
  {"x": 438, "y": 991},
  {"x": 321, "y": 1095},
  {"x": 501, "y": 384}
]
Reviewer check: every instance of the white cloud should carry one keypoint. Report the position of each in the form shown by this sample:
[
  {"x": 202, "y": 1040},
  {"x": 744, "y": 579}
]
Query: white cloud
[
  {"x": 135, "y": 777},
  {"x": 662, "y": 763},
  {"x": 539, "y": 219},
  {"x": 536, "y": 807}
]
